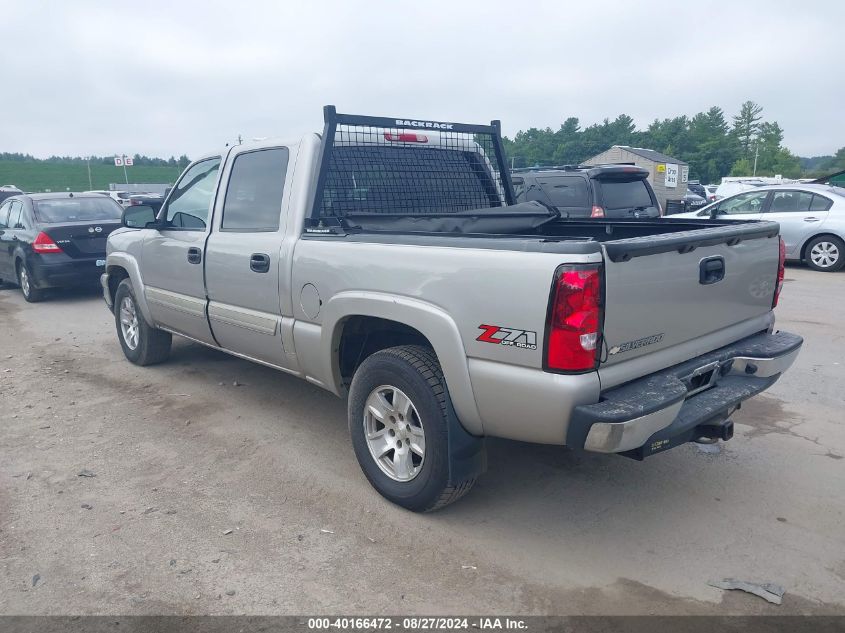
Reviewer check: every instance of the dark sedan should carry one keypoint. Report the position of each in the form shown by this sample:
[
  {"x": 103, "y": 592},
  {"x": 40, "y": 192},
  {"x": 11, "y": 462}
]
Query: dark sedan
[{"x": 51, "y": 240}]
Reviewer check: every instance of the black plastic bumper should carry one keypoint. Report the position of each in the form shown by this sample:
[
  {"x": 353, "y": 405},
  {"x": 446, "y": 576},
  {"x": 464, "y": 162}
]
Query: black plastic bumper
[
  {"x": 686, "y": 402},
  {"x": 59, "y": 270}
]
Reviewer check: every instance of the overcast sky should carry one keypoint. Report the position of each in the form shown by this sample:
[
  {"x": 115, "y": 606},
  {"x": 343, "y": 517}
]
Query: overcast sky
[{"x": 162, "y": 78}]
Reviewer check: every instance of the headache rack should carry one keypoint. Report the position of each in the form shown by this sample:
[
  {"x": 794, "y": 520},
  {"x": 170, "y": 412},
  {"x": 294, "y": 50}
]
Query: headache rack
[{"x": 383, "y": 167}]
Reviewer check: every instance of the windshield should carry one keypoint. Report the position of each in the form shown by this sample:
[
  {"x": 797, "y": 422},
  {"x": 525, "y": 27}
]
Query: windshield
[
  {"x": 625, "y": 195},
  {"x": 76, "y": 210}
]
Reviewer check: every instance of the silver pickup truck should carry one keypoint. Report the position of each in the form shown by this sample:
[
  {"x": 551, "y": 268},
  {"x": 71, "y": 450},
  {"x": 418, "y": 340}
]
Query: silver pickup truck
[{"x": 385, "y": 261}]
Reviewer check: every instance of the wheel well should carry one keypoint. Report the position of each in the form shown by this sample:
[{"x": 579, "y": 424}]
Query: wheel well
[
  {"x": 363, "y": 336},
  {"x": 810, "y": 239},
  {"x": 116, "y": 275}
]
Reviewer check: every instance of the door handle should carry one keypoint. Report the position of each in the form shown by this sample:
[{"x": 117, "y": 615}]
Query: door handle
[
  {"x": 194, "y": 255},
  {"x": 811, "y": 219},
  {"x": 259, "y": 263},
  {"x": 711, "y": 270}
]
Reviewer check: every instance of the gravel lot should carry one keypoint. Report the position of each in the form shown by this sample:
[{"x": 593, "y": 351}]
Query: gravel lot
[{"x": 220, "y": 486}]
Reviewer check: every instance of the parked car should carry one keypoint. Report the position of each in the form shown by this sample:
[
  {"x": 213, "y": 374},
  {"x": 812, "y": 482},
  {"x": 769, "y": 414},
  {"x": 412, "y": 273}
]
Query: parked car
[
  {"x": 121, "y": 197},
  {"x": 48, "y": 240},
  {"x": 697, "y": 188},
  {"x": 602, "y": 191},
  {"x": 728, "y": 189},
  {"x": 711, "y": 192},
  {"x": 153, "y": 200},
  {"x": 386, "y": 261},
  {"x": 7, "y": 191},
  {"x": 811, "y": 218},
  {"x": 693, "y": 201}
]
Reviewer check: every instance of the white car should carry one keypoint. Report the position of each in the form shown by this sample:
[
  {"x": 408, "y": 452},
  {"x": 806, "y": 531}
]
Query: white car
[
  {"x": 811, "y": 218},
  {"x": 121, "y": 197}
]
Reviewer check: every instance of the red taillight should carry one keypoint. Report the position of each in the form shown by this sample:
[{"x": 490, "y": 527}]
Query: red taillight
[
  {"x": 44, "y": 244},
  {"x": 574, "y": 318},
  {"x": 597, "y": 212},
  {"x": 781, "y": 271},
  {"x": 406, "y": 137}
]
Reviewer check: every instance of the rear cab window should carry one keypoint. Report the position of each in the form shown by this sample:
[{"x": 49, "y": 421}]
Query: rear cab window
[
  {"x": 382, "y": 179},
  {"x": 93, "y": 209}
]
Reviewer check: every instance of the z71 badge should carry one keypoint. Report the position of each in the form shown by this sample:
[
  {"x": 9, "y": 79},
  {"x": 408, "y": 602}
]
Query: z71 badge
[{"x": 508, "y": 336}]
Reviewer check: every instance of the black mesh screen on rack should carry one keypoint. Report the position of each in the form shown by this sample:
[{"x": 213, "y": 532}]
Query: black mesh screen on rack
[{"x": 402, "y": 171}]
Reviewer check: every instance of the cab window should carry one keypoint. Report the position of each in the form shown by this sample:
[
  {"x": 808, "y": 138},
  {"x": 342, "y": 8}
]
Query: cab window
[
  {"x": 790, "y": 201},
  {"x": 4, "y": 214},
  {"x": 15, "y": 221},
  {"x": 748, "y": 202},
  {"x": 254, "y": 194},
  {"x": 190, "y": 200}
]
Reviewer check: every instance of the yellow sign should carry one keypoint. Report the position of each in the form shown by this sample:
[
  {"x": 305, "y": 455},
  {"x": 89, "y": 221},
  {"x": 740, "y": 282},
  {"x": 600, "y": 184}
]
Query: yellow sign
[{"x": 661, "y": 169}]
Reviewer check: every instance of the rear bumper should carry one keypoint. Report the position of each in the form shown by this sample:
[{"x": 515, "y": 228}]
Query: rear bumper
[
  {"x": 58, "y": 269},
  {"x": 685, "y": 402}
]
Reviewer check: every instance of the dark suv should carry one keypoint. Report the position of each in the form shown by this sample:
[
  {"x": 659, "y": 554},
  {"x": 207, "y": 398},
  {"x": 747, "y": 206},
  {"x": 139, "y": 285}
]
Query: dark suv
[{"x": 586, "y": 191}]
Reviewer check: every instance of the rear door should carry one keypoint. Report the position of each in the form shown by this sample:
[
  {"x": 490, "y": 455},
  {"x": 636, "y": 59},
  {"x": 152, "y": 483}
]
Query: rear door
[
  {"x": 689, "y": 290},
  {"x": 244, "y": 256},
  {"x": 172, "y": 262},
  {"x": 799, "y": 213}
]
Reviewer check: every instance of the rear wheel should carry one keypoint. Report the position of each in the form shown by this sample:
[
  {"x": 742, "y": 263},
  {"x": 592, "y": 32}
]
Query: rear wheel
[
  {"x": 825, "y": 253},
  {"x": 142, "y": 343},
  {"x": 27, "y": 284},
  {"x": 399, "y": 420}
]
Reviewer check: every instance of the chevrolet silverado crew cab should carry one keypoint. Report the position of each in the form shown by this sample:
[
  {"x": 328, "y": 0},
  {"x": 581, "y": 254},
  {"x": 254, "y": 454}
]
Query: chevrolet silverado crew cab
[{"x": 385, "y": 261}]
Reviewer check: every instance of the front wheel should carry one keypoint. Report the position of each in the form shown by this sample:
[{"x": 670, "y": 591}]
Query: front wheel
[
  {"x": 142, "y": 343},
  {"x": 826, "y": 253},
  {"x": 400, "y": 417}
]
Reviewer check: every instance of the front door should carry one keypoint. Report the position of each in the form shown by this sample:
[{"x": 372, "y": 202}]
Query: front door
[
  {"x": 244, "y": 257},
  {"x": 743, "y": 206},
  {"x": 800, "y": 214},
  {"x": 172, "y": 264}
]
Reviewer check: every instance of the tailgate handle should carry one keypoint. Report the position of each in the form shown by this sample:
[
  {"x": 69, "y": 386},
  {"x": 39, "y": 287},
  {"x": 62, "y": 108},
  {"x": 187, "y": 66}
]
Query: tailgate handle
[{"x": 711, "y": 270}]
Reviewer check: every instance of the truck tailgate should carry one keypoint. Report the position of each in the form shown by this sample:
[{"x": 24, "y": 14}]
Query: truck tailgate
[{"x": 666, "y": 290}]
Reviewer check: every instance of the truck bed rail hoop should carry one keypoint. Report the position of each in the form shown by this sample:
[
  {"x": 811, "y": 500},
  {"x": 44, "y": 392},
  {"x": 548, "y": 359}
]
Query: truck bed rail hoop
[{"x": 424, "y": 181}]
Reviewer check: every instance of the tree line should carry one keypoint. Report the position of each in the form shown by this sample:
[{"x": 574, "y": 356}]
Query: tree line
[
  {"x": 712, "y": 145},
  {"x": 139, "y": 159}
]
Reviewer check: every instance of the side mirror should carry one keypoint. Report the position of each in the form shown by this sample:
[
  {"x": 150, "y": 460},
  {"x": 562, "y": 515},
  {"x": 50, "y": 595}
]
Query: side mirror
[
  {"x": 138, "y": 216},
  {"x": 714, "y": 212}
]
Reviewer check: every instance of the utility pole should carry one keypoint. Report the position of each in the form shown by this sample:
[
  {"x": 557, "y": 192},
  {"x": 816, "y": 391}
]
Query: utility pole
[
  {"x": 125, "y": 175},
  {"x": 756, "y": 153},
  {"x": 88, "y": 162}
]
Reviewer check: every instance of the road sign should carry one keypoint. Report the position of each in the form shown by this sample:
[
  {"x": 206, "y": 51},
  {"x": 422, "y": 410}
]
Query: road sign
[
  {"x": 128, "y": 161},
  {"x": 118, "y": 161},
  {"x": 671, "y": 175}
]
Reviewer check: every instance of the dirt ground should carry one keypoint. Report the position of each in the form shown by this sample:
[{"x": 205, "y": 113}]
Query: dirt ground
[{"x": 217, "y": 486}]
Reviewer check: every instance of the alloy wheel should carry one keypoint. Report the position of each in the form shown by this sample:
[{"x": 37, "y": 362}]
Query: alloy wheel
[
  {"x": 394, "y": 433},
  {"x": 129, "y": 323}
]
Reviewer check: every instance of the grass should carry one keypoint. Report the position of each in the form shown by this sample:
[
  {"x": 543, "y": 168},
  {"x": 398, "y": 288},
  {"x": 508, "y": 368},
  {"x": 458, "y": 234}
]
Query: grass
[{"x": 43, "y": 176}]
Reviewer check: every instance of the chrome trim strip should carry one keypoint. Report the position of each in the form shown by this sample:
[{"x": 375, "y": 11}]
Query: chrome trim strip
[
  {"x": 766, "y": 367},
  {"x": 176, "y": 301},
  {"x": 253, "y": 320}
]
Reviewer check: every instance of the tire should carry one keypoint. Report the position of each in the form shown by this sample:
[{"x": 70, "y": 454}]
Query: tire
[
  {"x": 27, "y": 284},
  {"x": 418, "y": 482},
  {"x": 148, "y": 345},
  {"x": 825, "y": 253}
]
